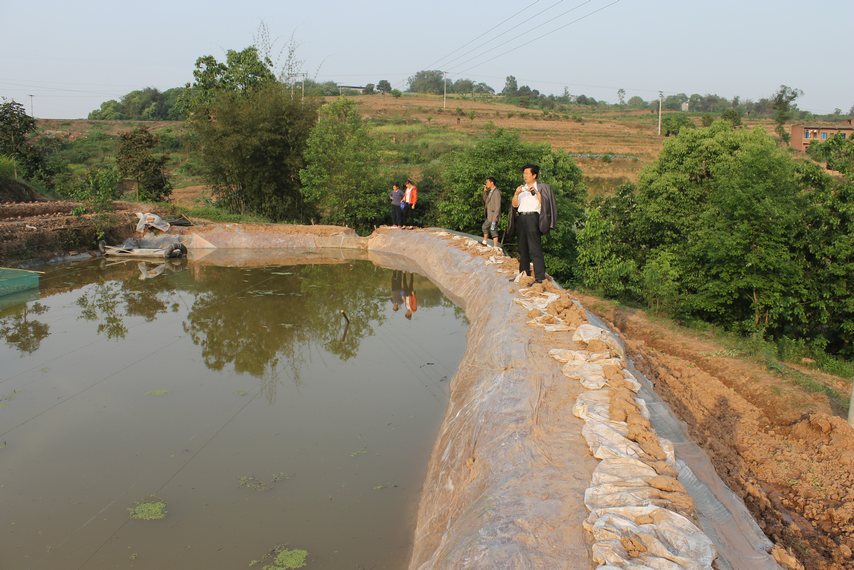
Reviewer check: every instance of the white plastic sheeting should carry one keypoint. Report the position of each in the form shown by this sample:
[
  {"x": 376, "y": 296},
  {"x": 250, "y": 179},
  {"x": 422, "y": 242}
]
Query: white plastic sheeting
[
  {"x": 147, "y": 220},
  {"x": 631, "y": 519},
  {"x": 510, "y": 476}
]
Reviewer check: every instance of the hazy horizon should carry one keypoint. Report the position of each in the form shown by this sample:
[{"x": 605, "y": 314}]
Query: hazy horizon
[{"x": 73, "y": 57}]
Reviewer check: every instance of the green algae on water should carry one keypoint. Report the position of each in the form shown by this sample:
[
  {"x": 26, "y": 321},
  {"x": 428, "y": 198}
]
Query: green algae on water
[
  {"x": 151, "y": 509},
  {"x": 250, "y": 481},
  {"x": 282, "y": 558}
]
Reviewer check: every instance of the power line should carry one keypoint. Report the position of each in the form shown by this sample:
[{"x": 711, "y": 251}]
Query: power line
[
  {"x": 538, "y": 25},
  {"x": 541, "y": 36},
  {"x": 498, "y": 36},
  {"x": 483, "y": 34}
]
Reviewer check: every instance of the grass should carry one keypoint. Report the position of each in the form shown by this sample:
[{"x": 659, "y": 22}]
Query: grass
[{"x": 214, "y": 214}]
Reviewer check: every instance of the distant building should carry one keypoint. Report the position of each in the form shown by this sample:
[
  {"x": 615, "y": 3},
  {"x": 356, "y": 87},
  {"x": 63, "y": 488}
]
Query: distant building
[
  {"x": 359, "y": 88},
  {"x": 685, "y": 107},
  {"x": 804, "y": 134}
]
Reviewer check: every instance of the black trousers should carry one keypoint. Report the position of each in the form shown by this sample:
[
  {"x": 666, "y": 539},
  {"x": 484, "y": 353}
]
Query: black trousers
[
  {"x": 396, "y": 215},
  {"x": 530, "y": 245}
]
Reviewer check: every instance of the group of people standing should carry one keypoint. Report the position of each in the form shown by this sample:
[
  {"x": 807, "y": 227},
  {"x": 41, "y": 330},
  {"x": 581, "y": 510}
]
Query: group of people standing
[
  {"x": 532, "y": 215},
  {"x": 402, "y": 203}
]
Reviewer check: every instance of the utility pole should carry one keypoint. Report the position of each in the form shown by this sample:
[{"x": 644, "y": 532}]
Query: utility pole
[
  {"x": 444, "y": 88},
  {"x": 660, "y": 103},
  {"x": 32, "y": 114}
]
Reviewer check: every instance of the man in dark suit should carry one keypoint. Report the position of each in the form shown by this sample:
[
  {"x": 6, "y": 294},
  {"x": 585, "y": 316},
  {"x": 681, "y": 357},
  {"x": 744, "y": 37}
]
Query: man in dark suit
[{"x": 534, "y": 204}]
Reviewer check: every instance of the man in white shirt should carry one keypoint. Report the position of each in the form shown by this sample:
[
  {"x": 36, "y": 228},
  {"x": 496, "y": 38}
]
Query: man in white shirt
[{"x": 528, "y": 201}]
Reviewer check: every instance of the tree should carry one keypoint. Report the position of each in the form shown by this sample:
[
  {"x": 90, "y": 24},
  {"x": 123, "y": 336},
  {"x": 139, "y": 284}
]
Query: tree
[
  {"x": 339, "y": 181},
  {"x": 674, "y": 102},
  {"x": 674, "y": 123},
  {"x": 783, "y": 103},
  {"x": 17, "y": 141},
  {"x": 242, "y": 72},
  {"x": 600, "y": 267},
  {"x": 15, "y": 127},
  {"x": 836, "y": 152},
  {"x": 108, "y": 111},
  {"x": 462, "y": 86},
  {"x": 252, "y": 151},
  {"x": 621, "y": 96},
  {"x": 97, "y": 187},
  {"x": 136, "y": 160},
  {"x": 511, "y": 87},
  {"x": 369, "y": 89},
  {"x": 733, "y": 116},
  {"x": 383, "y": 86},
  {"x": 427, "y": 81},
  {"x": 741, "y": 265},
  {"x": 143, "y": 104},
  {"x": 636, "y": 102}
]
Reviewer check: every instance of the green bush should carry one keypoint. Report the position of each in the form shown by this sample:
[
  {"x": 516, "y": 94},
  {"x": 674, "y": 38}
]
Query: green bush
[
  {"x": 8, "y": 167},
  {"x": 501, "y": 154},
  {"x": 755, "y": 241}
]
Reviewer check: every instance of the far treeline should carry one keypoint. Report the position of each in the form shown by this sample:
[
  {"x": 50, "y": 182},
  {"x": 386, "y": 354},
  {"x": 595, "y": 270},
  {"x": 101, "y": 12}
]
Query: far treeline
[
  {"x": 727, "y": 226},
  {"x": 149, "y": 104}
]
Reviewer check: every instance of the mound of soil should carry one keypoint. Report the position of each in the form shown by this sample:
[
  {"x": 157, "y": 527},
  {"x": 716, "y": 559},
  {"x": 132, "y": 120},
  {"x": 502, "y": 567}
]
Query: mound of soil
[
  {"x": 41, "y": 230},
  {"x": 783, "y": 450},
  {"x": 17, "y": 191}
]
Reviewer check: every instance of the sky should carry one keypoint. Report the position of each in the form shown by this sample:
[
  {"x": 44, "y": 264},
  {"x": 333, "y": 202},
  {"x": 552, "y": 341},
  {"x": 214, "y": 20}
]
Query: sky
[{"x": 63, "y": 59}]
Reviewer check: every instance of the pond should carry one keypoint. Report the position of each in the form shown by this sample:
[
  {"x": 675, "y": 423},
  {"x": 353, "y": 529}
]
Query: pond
[{"x": 257, "y": 406}]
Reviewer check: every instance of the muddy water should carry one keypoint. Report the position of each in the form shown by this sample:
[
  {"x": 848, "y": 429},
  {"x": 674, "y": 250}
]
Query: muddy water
[{"x": 238, "y": 395}]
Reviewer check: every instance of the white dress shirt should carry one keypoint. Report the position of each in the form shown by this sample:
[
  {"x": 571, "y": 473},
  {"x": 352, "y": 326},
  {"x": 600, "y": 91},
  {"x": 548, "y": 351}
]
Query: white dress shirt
[{"x": 528, "y": 202}]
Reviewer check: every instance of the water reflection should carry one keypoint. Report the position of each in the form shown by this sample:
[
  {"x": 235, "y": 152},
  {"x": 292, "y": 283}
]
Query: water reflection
[
  {"x": 396, "y": 289},
  {"x": 20, "y": 330},
  {"x": 133, "y": 387},
  {"x": 245, "y": 318},
  {"x": 409, "y": 295}
]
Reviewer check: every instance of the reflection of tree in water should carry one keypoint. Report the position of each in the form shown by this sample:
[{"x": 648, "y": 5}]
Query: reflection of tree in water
[
  {"x": 259, "y": 318},
  {"x": 101, "y": 302},
  {"x": 22, "y": 333},
  {"x": 107, "y": 302}
]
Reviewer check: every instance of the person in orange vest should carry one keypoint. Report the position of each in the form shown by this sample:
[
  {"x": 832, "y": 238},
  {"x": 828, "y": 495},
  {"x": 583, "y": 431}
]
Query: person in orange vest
[
  {"x": 409, "y": 295},
  {"x": 410, "y": 198}
]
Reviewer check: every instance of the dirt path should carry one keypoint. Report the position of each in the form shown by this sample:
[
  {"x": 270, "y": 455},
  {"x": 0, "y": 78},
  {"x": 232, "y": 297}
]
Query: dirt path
[{"x": 779, "y": 447}]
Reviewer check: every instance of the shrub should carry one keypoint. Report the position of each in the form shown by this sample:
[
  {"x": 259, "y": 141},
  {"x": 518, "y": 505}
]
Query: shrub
[{"x": 8, "y": 167}]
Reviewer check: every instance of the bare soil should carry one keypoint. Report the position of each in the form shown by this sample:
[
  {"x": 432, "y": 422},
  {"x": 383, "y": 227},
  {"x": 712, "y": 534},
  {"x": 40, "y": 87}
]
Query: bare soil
[
  {"x": 42, "y": 230},
  {"x": 782, "y": 449}
]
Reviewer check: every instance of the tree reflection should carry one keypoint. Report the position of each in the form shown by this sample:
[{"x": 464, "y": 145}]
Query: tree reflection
[
  {"x": 102, "y": 302},
  {"x": 22, "y": 333},
  {"x": 125, "y": 294},
  {"x": 263, "y": 321},
  {"x": 259, "y": 319}
]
